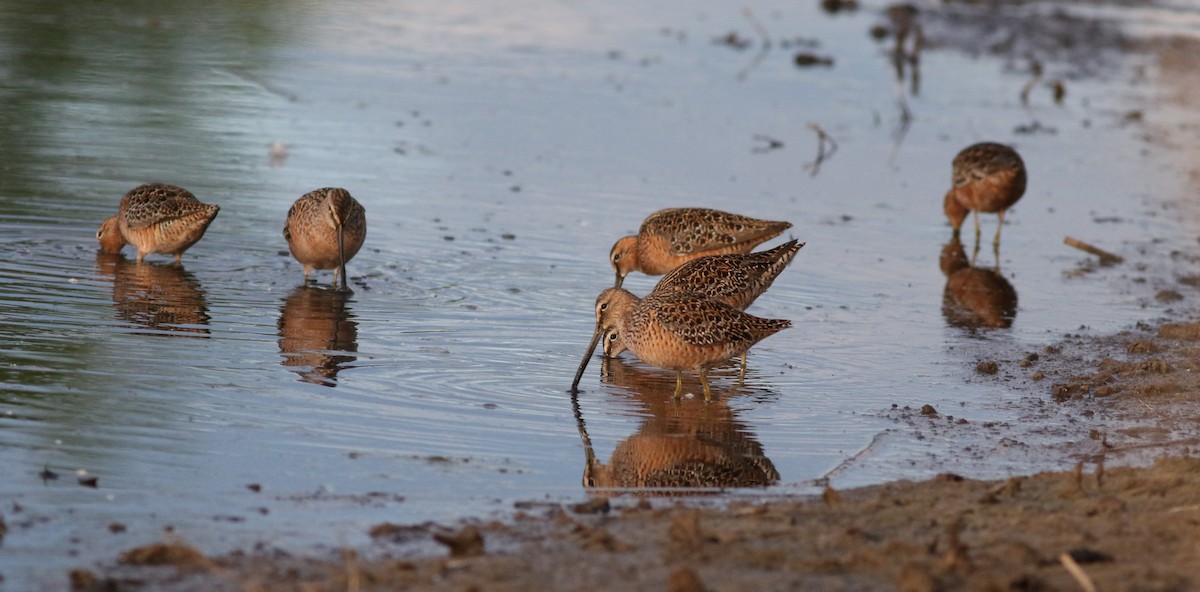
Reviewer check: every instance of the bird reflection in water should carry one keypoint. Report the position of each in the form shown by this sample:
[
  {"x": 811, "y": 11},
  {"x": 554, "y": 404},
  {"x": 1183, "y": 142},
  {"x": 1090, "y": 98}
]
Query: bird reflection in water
[
  {"x": 975, "y": 297},
  {"x": 684, "y": 446},
  {"x": 904, "y": 25},
  {"x": 165, "y": 299},
  {"x": 317, "y": 334}
]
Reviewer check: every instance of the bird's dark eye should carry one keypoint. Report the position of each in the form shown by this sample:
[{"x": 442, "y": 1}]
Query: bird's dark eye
[
  {"x": 616, "y": 257},
  {"x": 612, "y": 336},
  {"x": 603, "y": 306}
]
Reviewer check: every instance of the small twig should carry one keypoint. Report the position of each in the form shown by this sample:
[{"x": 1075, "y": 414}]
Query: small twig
[
  {"x": 906, "y": 118},
  {"x": 1106, "y": 258},
  {"x": 764, "y": 46},
  {"x": 1145, "y": 404},
  {"x": 1077, "y": 572},
  {"x": 758, "y": 26},
  {"x": 822, "y": 154},
  {"x": 769, "y": 144},
  {"x": 823, "y": 137},
  {"x": 353, "y": 577}
]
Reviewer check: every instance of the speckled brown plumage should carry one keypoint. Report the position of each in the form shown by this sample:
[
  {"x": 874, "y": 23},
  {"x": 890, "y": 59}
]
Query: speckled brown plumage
[
  {"x": 157, "y": 218},
  {"x": 736, "y": 280},
  {"x": 324, "y": 229},
  {"x": 678, "y": 331},
  {"x": 987, "y": 177},
  {"x": 669, "y": 238}
]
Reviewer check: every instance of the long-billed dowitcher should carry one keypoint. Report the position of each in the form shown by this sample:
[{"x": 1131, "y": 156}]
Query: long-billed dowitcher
[
  {"x": 677, "y": 331},
  {"x": 325, "y": 228},
  {"x": 669, "y": 238},
  {"x": 736, "y": 280},
  {"x": 988, "y": 177},
  {"x": 157, "y": 218}
]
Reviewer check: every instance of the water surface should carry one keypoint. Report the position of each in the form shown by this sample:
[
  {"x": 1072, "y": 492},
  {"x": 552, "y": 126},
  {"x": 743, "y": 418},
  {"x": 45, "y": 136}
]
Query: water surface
[{"x": 499, "y": 151}]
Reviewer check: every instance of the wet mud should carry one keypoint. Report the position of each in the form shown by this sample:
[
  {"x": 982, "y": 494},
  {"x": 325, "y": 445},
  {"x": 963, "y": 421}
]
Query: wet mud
[{"x": 1117, "y": 529}]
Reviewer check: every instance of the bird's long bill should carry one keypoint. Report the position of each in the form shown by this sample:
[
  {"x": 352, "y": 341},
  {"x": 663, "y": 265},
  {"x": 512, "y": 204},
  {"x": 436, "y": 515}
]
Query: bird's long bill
[
  {"x": 341, "y": 231},
  {"x": 620, "y": 278},
  {"x": 587, "y": 357}
]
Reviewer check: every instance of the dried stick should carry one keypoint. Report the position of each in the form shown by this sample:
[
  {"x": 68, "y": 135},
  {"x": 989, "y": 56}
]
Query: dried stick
[
  {"x": 1077, "y": 572},
  {"x": 822, "y": 155},
  {"x": 764, "y": 46},
  {"x": 1106, "y": 258}
]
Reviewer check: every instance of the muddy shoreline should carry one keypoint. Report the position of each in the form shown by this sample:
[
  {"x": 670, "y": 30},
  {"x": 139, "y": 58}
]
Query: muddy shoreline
[
  {"x": 1125, "y": 518},
  {"x": 1121, "y": 528}
]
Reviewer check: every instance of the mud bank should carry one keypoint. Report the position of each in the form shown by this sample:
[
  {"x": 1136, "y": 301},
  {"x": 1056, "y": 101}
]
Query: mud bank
[{"x": 1120, "y": 529}]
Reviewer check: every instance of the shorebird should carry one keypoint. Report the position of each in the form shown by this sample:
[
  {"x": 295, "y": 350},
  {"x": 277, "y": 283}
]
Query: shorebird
[
  {"x": 157, "y": 218},
  {"x": 677, "y": 331},
  {"x": 672, "y": 237},
  {"x": 736, "y": 280},
  {"x": 324, "y": 229},
  {"x": 987, "y": 177}
]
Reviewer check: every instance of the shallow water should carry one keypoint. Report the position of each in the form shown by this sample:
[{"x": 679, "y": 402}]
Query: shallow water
[{"x": 499, "y": 152}]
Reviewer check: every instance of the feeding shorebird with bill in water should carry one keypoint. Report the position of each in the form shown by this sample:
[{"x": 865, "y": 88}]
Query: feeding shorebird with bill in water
[
  {"x": 324, "y": 229},
  {"x": 736, "y": 280},
  {"x": 157, "y": 218},
  {"x": 987, "y": 177},
  {"x": 677, "y": 331}
]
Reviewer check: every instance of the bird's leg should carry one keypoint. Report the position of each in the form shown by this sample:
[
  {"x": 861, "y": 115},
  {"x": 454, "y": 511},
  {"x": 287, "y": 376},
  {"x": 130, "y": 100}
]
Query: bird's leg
[
  {"x": 742, "y": 374},
  {"x": 996, "y": 241},
  {"x": 975, "y": 253},
  {"x": 704, "y": 381},
  {"x": 678, "y": 384}
]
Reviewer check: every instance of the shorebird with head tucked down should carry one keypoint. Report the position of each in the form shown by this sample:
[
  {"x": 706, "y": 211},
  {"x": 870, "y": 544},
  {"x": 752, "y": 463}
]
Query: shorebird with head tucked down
[
  {"x": 157, "y": 218},
  {"x": 669, "y": 238},
  {"x": 736, "y": 280},
  {"x": 324, "y": 229},
  {"x": 677, "y": 331},
  {"x": 988, "y": 177}
]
